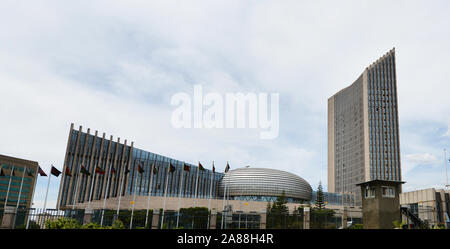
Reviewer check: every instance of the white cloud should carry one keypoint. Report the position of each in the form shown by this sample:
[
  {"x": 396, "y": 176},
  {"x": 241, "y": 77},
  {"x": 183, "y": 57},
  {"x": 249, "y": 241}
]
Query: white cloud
[
  {"x": 421, "y": 158},
  {"x": 411, "y": 161}
]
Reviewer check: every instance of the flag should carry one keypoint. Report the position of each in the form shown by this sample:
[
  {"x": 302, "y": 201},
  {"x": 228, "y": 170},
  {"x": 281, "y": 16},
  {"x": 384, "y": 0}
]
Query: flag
[
  {"x": 113, "y": 170},
  {"x": 187, "y": 167},
  {"x": 172, "y": 168},
  {"x": 155, "y": 170},
  {"x": 41, "y": 172},
  {"x": 12, "y": 172},
  {"x": 54, "y": 171},
  {"x": 29, "y": 172},
  {"x": 84, "y": 171},
  {"x": 1, "y": 172},
  {"x": 68, "y": 173},
  {"x": 99, "y": 170},
  {"x": 126, "y": 171},
  {"x": 213, "y": 169},
  {"x": 227, "y": 168},
  {"x": 200, "y": 166},
  {"x": 140, "y": 169},
  {"x": 159, "y": 186}
]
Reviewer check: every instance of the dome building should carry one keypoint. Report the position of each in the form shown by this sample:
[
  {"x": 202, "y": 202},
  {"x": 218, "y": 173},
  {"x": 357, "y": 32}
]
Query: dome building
[{"x": 263, "y": 184}]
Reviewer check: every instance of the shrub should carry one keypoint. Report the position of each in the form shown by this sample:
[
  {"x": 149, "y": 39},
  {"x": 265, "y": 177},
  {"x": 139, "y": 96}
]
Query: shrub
[
  {"x": 356, "y": 226},
  {"x": 91, "y": 226},
  {"x": 398, "y": 224},
  {"x": 62, "y": 223},
  {"x": 118, "y": 224}
]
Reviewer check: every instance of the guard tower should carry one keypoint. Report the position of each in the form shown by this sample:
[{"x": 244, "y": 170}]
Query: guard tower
[{"x": 380, "y": 203}]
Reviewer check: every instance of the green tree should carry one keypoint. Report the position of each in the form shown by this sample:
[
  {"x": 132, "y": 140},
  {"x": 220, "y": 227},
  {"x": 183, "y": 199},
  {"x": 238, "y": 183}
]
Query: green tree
[
  {"x": 320, "y": 198},
  {"x": 278, "y": 213},
  {"x": 279, "y": 206}
]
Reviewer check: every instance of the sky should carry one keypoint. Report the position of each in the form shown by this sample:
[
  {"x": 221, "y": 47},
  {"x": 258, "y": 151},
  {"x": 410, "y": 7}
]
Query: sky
[{"x": 113, "y": 66}]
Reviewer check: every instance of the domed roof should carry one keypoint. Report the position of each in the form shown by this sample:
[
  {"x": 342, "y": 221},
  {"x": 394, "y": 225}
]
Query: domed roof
[{"x": 264, "y": 182}]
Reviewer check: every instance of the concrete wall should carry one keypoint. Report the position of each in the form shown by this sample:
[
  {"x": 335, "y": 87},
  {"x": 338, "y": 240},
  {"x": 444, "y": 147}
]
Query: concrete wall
[
  {"x": 380, "y": 212},
  {"x": 426, "y": 202}
]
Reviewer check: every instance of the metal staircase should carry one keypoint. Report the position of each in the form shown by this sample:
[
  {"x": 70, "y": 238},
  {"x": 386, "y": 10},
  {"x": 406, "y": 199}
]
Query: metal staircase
[{"x": 416, "y": 221}]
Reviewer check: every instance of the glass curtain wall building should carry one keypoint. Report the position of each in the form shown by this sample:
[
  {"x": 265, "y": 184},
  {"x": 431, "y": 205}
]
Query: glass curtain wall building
[
  {"x": 113, "y": 166},
  {"x": 363, "y": 130},
  {"x": 17, "y": 184},
  {"x": 96, "y": 167}
]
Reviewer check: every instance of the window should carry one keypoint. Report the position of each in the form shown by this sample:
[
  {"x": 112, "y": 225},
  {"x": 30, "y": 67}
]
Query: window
[
  {"x": 388, "y": 191},
  {"x": 370, "y": 192}
]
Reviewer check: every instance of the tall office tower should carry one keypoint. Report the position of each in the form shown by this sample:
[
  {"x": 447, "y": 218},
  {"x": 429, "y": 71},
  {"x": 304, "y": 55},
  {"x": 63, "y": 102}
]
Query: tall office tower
[{"x": 363, "y": 133}]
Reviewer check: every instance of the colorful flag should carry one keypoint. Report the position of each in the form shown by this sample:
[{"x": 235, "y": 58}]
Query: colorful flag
[
  {"x": 155, "y": 170},
  {"x": 227, "y": 168},
  {"x": 113, "y": 170},
  {"x": 187, "y": 167},
  {"x": 172, "y": 168},
  {"x": 13, "y": 172},
  {"x": 68, "y": 173},
  {"x": 99, "y": 170},
  {"x": 200, "y": 166},
  {"x": 29, "y": 172},
  {"x": 54, "y": 171},
  {"x": 84, "y": 171},
  {"x": 213, "y": 169},
  {"x": 140, "y": 169},
  {"x": 41, "y": 172}
]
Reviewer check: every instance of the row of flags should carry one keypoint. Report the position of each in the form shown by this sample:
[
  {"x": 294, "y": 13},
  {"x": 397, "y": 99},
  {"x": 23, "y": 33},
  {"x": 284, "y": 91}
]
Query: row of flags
[
  {"x": 140, "y": 169},
  {"x": 29, "y": 172}
]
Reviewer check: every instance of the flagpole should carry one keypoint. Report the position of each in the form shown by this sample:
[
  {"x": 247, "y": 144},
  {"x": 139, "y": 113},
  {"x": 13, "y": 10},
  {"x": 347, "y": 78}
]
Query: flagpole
[
  {"x": 120, "y": 192},
  {"x": 134, "y": 196},
  {"x": 210, "y": 192},
  {"x": 9, "y": 186},
  {"x": 227, "y": 168},
  {"x": 228, "y": 197},
  {"x": 32, "y": 197},
  {"x": 179, "y": 194},
  {"x": 196, "y": 187},
  {"x": 92, "y": 187},
  {"x": 165, "y": 196},
  {"x": 446, "y": 172},
  {"x": 195, "y": 194},
  {"x": 106, "y": 193},
  {"x": 45, "y": 201},
  {"x": 149, "y": 193},
  {"x": 18, "y": 198},
  {"x": 223, "y": 202},
  {"x": 46, "y": 193},
  {"x": 76, "y": 187}
]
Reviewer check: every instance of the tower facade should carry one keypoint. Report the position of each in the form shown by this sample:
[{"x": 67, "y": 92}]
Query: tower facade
[{"x": 363, "y": 130}]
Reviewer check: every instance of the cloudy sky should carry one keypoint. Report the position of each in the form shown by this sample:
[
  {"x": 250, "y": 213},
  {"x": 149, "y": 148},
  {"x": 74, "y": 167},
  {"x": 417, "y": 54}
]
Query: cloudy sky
[{"x": 113, "y": 66}]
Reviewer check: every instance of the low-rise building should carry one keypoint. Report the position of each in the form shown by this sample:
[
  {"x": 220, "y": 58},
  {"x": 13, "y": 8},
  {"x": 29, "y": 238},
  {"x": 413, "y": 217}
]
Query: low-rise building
[{"x": 430, "y": 205}]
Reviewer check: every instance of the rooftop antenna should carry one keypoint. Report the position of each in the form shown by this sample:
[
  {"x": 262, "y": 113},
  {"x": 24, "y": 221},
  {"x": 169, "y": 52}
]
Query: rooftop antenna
[{"x": 446, "y": 171}]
